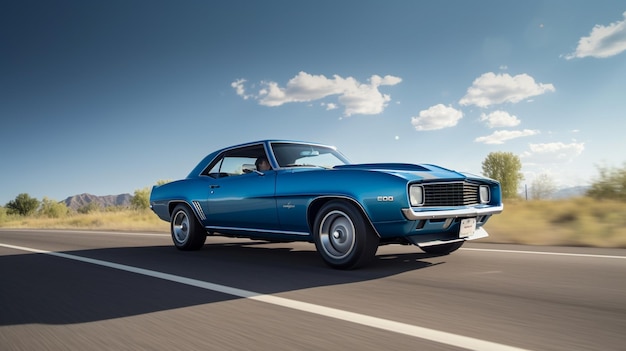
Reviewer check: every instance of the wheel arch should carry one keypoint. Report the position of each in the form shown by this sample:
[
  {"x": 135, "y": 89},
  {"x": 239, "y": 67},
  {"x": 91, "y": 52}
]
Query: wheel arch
[
  {"x": 172, "y": 205},
  {"x": 319, "y": 202}
]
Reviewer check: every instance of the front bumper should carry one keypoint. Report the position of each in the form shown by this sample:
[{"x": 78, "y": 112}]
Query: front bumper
[
  {"x": 412, "y": 215},
  {"x": 417, "y": 239}
]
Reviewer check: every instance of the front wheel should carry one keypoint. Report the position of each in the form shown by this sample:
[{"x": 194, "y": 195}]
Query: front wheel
[
  {"x": 342, "y": 236},
  {"x": 187, "y": 232},
  {"x": 442, "y": 249}
]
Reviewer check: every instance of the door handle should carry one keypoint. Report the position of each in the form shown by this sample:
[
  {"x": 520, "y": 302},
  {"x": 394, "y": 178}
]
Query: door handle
[{"x": 214, "y": 186}]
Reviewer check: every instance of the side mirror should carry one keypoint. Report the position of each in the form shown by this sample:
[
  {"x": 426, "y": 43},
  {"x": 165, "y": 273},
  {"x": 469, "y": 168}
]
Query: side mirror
[{"x": 249, "y": 168}]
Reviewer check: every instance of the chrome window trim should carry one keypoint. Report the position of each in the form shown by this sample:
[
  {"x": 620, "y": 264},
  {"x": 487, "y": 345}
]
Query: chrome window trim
[
  {"x": 270, "y": 148},
  {"x": 224, "y": 151}
]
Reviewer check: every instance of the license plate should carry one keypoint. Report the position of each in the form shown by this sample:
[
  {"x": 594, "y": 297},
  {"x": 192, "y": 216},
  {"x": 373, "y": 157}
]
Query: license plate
[{"x": 468, "y": 227}]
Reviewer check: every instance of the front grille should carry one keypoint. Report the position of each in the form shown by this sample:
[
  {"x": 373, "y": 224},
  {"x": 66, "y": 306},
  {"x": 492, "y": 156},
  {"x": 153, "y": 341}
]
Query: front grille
[{"x": 451, "y": 194}]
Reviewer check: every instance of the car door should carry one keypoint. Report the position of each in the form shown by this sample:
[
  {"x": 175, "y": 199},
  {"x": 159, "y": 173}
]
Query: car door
[{"x": 240, "y": 197}]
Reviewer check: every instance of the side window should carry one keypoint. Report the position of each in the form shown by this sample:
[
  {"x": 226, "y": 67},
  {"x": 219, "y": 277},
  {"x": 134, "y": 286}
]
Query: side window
[
  {"x": 230, "y": 166},
  {"x": 235, "y": 162},
  {"x": 215, "y": 170}
]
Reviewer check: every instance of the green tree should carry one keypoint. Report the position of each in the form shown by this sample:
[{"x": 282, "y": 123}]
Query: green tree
[
  {"x": 53, "y": 209},
  {"x": 504, "y": 167},
  {"x": 611, "y": 184},
  {"x": 23, "y": 205},
  {"x": 141, "y": 199}
]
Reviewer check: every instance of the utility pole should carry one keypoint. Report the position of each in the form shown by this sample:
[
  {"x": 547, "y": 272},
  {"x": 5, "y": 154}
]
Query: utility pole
[{"x": 526, "y": 191}]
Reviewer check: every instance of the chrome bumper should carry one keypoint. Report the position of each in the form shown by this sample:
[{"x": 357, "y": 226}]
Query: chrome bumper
[
  {"x": 464, "y": 212},
  {"x": 478, "y": 234}
]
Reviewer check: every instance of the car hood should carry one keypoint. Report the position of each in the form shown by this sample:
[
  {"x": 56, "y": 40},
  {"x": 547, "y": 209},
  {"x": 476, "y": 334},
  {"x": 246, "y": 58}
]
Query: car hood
[{"x": 411, "y": 172}]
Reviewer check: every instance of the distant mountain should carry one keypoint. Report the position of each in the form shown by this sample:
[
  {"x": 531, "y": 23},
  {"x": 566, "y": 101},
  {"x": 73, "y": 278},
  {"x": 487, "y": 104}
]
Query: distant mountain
[
  {"x": 562, "y": 193},
  {"x": 570, "y": 192},
  {"x": 77, "y": 201}
]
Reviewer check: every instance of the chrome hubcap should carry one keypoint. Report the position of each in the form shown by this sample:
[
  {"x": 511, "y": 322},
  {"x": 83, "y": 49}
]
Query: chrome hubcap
[
  {"x": 180, "y": 227},
  {"x": 337, "y": 234}
]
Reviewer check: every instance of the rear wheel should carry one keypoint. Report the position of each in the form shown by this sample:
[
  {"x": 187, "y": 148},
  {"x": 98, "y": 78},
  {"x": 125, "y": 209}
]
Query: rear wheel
[
  {"x": 187, "y": 232},
  {"x": 342, "y": 236},
  {"x": 442, "y": 249}
]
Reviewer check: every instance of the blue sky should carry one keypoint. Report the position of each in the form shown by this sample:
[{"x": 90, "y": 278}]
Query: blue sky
[{"x": 106, "y": 97}]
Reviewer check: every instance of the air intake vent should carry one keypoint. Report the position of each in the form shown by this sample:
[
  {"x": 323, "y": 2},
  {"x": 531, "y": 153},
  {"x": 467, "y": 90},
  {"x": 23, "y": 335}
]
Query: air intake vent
[
  {"x": 451, "y": 194},
  {"x": 199, "y": 211}
]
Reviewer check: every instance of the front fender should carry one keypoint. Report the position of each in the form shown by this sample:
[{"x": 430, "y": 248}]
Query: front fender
[{"x": 381, "y": 196}]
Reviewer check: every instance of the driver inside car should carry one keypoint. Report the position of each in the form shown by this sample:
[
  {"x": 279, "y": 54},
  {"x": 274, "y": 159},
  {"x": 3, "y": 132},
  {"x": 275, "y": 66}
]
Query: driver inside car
[{"x": 262, "y": 164}]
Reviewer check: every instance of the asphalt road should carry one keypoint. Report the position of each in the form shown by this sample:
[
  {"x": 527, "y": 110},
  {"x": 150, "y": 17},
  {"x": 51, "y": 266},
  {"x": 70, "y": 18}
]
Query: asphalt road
[{"x": 69, "y": 290}]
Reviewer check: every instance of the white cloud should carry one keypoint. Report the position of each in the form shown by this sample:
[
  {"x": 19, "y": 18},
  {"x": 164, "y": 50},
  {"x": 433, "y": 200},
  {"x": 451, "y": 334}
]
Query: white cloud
[
  {"x": 500, "y": 136},
  {"x": 437, "y": 117},
  {"x": 490, "y": 89},
  {"x": 356, "y": 97},
  {"x": 499, "y": 119},
  {"x": 330, "y": 106},
  {"x": 602, "y": 42},
  {"x": 554, "y": 152},
  {"x": 240, "y": 89}
]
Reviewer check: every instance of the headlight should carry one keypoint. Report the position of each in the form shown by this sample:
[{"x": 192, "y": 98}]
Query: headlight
[
  {"x": 485, "y": 194},
  {"x": 416, "y": 195}
]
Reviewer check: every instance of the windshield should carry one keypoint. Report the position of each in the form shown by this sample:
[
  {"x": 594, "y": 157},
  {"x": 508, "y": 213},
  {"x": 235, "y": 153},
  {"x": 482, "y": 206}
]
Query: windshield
[{"x": 307, "y": 155}]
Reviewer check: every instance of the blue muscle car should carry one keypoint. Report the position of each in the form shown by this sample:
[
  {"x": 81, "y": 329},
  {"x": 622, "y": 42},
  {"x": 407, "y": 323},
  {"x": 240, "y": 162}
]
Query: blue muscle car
[{"x": 296, "y": 191}]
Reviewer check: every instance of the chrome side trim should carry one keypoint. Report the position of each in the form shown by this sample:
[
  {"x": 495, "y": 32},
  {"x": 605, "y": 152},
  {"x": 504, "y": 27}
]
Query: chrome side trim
[
  {"x": 217, "y": 228},
  {"x": 478, "y": 234},
  {"x": 464, "y": 212}
]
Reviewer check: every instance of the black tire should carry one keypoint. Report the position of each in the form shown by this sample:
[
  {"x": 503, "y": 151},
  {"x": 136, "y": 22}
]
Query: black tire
[
  {"x": 442, "y": 249},
  {"x": 187, "y": 233},
  {"x": 342, "y": 236}
]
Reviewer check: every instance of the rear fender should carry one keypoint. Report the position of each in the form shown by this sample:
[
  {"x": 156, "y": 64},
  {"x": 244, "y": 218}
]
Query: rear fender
[{"x": 197, "y": 212}]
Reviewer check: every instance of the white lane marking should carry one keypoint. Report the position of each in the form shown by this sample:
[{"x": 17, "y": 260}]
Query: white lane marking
[
  {"x": 74, "y": 231},
  {"x": 544, "y": 253},
  {"x": 357, "y": 318}
]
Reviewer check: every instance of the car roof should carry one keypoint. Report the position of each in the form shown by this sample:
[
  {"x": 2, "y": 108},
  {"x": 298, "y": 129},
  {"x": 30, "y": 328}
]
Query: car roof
[
  {"x": 266, "y": 142},
  {"x": 269, "y": 141}
]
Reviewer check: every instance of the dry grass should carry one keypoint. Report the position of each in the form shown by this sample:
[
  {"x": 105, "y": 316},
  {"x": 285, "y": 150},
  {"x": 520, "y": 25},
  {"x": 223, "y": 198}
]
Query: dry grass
[
  {"x": 572, "y": 222},
  {"x": 122, "y": 220}
]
